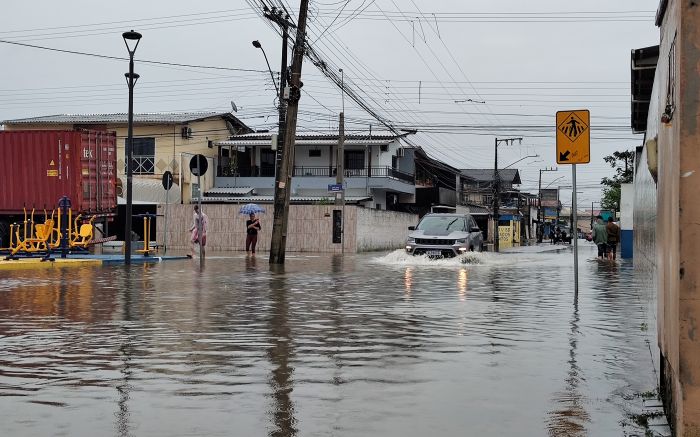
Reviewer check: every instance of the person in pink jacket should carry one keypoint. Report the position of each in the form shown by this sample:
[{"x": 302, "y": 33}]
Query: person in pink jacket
[{"x": 194, "y": 229}]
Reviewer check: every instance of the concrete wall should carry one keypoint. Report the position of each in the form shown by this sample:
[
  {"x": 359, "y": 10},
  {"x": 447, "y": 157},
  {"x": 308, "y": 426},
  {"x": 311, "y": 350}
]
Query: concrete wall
[
  {"x": 309, "y": 228},
  {"x": 379, "y": 230},
  {"x": 678, "y": 209},
  {"x": 627, "y": 221}
]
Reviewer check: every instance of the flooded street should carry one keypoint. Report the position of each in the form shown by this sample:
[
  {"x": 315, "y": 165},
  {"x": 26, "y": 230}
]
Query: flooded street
[{"x": 363, "y": 345}]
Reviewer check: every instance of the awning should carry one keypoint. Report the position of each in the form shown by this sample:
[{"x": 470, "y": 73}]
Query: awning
[
  {"x": 228, "y": 191},
  {"x": 149, "y": 192}
]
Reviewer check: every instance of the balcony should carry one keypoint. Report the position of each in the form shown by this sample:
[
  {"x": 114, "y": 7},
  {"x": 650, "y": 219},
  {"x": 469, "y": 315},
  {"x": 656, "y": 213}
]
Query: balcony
[
  {"x": 322, "y": 172},
  {"x": 371, "y": 172}
]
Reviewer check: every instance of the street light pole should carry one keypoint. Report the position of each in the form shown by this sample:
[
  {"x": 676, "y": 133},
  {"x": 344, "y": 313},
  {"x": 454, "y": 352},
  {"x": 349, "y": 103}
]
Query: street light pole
[
  {"x": 497, "y": 187},
  {"x": 131, "y": 79}
]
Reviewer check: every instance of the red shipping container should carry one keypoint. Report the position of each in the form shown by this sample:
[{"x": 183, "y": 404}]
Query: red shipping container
[{"x": 38, "y": 167}]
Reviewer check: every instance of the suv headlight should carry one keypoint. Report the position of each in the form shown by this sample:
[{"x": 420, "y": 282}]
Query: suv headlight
[
  {"x": 411, "y": 240},
  {"x": 461, "y": 241}
]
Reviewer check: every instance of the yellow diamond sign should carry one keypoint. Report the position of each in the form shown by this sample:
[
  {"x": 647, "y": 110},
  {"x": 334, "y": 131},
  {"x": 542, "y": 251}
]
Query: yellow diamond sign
[{"x": 573, "y": 137}]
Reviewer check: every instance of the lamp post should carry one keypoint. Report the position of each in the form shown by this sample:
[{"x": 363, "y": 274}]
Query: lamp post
[
  {"x": 257, "y": 45},
  {"x": 130, "y": 38}
]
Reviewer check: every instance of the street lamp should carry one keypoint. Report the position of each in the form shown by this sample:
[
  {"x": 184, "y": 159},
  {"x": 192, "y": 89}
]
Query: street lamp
[
  {"x": 130, "y": 38},
  {"x": 521, "y": 159},
  {"x": 257, "y": 45}
]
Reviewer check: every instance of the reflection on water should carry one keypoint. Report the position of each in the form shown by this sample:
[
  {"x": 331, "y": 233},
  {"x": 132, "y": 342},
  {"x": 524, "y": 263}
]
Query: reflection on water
[
  {"x": 569, "y": 418},
  {"x": 344, "y": 346},
  {"x": 281, "y": 352}
]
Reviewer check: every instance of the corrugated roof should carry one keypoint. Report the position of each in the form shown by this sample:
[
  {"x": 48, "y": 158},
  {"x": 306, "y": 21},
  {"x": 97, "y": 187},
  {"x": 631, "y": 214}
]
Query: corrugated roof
[
  {"x": 228, "y": 190},
  {"x": 511, "y": 175},
  {"x": 159, "y": 118}
]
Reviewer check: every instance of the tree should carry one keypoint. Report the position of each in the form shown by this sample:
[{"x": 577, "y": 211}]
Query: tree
[{"x": 623, "y": 163}]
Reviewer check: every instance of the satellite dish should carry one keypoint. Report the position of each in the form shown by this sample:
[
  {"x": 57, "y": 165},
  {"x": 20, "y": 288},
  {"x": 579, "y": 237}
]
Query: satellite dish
[{"x": 234, "y": 107}]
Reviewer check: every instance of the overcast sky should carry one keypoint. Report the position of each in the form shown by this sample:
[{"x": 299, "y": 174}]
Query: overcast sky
[{"x": 525, "y": 60}]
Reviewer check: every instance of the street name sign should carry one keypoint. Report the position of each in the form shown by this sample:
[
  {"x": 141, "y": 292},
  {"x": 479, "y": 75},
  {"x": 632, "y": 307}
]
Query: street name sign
[
  {"x": 574, "y": 137},
  {"x": 335, "y": 188}
]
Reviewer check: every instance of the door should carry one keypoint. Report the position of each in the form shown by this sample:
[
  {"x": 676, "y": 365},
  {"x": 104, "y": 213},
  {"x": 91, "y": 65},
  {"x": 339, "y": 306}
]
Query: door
[{"x": 267, "y": 162}]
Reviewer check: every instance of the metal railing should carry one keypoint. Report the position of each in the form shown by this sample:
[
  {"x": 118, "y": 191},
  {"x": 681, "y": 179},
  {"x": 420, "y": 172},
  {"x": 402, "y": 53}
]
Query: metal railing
[
  {"x": 324, "y": 172},
  {"x": 143, "y": 164},
  {"x": 372, "y": 172}
]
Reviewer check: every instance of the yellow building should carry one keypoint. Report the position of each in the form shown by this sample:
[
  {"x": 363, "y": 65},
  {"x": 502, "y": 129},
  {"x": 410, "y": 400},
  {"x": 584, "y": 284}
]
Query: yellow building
[{"x": 162, "y": 141}]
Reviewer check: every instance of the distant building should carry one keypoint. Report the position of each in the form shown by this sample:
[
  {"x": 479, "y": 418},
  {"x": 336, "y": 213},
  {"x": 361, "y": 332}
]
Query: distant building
[{"x": 379, "y": 170}]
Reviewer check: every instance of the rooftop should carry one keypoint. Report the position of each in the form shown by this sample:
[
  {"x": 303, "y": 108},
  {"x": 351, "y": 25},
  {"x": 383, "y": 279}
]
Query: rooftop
[
  {"x": 263, "y": 139},
  {"x": 511, "y": 175},
  {"x": 122, "y": 117}
]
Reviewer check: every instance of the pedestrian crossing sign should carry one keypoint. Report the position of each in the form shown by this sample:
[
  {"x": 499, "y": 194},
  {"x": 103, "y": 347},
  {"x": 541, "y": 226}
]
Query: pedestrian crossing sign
[{"x": 573, "y": 137}]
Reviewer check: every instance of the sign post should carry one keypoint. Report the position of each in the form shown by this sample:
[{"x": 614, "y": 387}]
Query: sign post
[
  {"x": 574, "y": 147},
  {"x": 198, "y": 167},
  {"x": 167, "y": 184}
]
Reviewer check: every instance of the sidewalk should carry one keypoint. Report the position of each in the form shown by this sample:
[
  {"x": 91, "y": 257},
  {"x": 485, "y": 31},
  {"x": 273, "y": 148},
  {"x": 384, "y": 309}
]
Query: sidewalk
[{"x": 537, "y": 248}]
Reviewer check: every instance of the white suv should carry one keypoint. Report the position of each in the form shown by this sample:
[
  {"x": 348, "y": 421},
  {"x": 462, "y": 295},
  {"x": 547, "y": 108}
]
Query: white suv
[{"x": 444, "y": 236}]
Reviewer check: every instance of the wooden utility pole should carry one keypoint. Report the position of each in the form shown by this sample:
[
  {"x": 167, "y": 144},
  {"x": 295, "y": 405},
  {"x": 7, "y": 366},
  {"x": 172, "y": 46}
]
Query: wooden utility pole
[
  {"x": 497, "y": 187},
  {"x": 283, "y": 183}
]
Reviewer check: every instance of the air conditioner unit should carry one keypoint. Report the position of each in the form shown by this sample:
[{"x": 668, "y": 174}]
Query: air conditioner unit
[
  {"x": 384, "y": 148},
  {"x": 186, "y": 132},
  {"x": 399, "y": 152}
]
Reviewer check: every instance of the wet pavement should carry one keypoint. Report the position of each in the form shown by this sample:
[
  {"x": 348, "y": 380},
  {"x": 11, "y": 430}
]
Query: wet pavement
[{"x": 361, "y": 345}]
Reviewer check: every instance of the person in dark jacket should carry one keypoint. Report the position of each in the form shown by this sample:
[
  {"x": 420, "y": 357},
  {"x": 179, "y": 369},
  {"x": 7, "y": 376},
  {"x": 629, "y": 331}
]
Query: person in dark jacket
[
  {"x": 613, "y": 238},
  {"x": 252, "y": 228}
]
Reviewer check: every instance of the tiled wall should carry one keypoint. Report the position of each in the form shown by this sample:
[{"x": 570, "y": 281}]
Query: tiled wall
[{"x": 309, "y": 228}]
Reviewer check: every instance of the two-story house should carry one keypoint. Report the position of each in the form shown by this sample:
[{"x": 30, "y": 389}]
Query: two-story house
[
  {"x": 162, "y": 141},
  {"x": 379, "y": 170}
]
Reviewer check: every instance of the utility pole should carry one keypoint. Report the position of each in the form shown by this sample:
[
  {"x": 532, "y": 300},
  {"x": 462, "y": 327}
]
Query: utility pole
[
  {"x": 497, "y": 187},
  {"x": 283, "y": 184},
  {"x": 276, "y": 16},
  {"x": 540, "y": 209}
]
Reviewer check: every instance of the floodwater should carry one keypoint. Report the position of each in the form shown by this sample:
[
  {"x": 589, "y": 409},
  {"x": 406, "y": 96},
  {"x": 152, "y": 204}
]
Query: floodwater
[{"x": 361, "y": 345}]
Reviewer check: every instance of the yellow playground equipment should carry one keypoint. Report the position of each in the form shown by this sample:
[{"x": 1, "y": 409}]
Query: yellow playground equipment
[
  {"x": 146, "y": 251},
  {"x": 29, "y": 237}
]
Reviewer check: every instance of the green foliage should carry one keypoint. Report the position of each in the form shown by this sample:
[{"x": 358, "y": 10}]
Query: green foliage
[{"x": 623, "y": 163}]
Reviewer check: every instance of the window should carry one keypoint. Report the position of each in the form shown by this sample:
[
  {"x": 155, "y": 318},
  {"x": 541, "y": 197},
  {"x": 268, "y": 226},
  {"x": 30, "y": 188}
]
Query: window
[
  {"x": 314, "y": 153},
  {"x": 670, "y": 84},
  {"x": 354, "y": 159},
  {"x": 267, "y": 162},
  {"x": 144, "y": 153}
]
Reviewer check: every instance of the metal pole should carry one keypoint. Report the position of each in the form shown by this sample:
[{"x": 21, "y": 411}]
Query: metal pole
[
  {"x": 497, "y": 194},
  {"x": 340, "y": 178},
  {"x": 201, "y": 215},
  {"x": 574, "y": 206},
  {"x": 165, "y": 224},
  {"x": 284, "y": 178},
  {"x": 129, "y": 163},
  {"x": 539, "y": 209}
]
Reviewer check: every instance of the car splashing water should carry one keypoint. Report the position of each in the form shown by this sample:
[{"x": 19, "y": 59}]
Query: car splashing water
[{"x": 371, "y": 344}]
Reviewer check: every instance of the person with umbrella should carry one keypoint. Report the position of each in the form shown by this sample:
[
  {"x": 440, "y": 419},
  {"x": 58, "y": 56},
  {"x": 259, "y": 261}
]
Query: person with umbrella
[{"x": 252, "y": 226}]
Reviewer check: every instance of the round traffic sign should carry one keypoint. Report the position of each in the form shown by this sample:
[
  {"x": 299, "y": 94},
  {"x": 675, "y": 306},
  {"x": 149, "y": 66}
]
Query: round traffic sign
[
  {"x": 201, "y": 169},
  {"x": 167, "y": 180}
]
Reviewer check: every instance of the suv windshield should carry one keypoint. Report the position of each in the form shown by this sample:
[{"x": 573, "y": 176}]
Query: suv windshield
[{"x": 442, "y": 224}]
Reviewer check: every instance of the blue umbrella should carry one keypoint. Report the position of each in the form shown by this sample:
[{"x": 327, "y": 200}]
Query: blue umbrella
[{"x": 251, "y": 208}]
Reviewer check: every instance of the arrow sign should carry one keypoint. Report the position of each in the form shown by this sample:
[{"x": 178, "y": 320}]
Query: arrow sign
[{"x": 564, "y": 156}]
